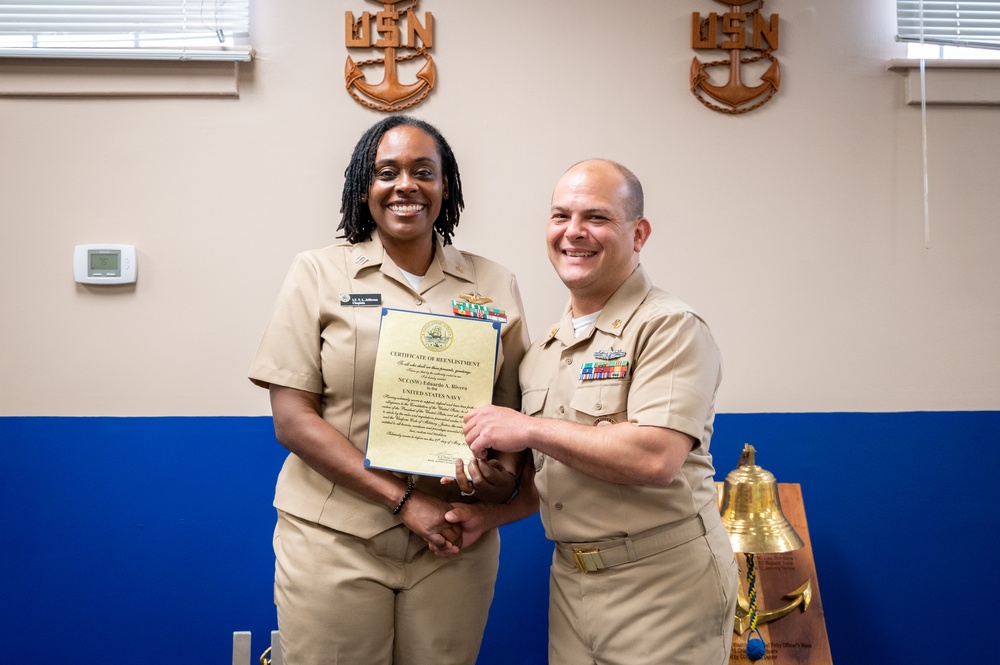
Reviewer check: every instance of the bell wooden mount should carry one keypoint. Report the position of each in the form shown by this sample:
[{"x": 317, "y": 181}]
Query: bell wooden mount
[
  {"x": 739, "y": 31},
  {"x": 398, "y": 45},
  {"x": 779, "y": 612}
]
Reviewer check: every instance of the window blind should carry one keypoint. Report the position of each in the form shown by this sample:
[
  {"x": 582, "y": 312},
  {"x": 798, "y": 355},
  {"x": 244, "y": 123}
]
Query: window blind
[
  {"x": 126, "y": 29},
  {"x": 972, "y": 23}
]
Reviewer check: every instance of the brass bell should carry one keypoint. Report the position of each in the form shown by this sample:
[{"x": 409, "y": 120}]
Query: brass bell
[{"x": 751, "y": 510}]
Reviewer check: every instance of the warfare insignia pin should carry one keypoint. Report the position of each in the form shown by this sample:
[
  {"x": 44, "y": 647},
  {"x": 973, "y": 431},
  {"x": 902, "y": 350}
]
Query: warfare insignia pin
[{"x": 475, "y": 298}]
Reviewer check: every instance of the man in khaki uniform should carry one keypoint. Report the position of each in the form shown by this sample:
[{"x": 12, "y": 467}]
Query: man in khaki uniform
[{"x": 622, "y": 394}]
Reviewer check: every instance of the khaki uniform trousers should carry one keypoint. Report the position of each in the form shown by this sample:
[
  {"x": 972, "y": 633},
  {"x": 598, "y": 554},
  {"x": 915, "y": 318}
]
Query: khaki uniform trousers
[
  {"x": 388, "y": 600},
  {"x": 672, "y": 608}
]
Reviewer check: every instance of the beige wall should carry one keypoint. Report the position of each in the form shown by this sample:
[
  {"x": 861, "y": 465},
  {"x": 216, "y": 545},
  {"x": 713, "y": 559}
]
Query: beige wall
[{"x": 796, "y": 230}]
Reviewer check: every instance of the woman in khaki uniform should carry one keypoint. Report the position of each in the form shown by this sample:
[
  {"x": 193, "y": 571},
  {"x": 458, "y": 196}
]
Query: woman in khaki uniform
[{"x": 368, "y": 570}]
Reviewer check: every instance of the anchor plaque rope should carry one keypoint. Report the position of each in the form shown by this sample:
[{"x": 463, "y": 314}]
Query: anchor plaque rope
[
  {"x": 420, "y": 51},
  {"x": 746, "y": 109}
]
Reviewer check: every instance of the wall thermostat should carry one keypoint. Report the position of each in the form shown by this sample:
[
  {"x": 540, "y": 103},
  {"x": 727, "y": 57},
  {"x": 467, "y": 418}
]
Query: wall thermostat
[{"x": 104, "y": 264}]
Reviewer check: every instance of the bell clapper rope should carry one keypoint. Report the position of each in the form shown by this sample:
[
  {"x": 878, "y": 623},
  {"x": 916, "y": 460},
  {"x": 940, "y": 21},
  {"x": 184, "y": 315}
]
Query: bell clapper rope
[{"x": 755, "y": 645}]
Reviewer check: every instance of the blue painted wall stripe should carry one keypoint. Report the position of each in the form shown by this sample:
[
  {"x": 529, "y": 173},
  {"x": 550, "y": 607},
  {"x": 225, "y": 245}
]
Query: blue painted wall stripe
[{"x": 153, "y": 535}]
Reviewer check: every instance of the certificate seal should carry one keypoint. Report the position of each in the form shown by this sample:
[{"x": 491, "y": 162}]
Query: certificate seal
[{"x": 436, "y": 336}]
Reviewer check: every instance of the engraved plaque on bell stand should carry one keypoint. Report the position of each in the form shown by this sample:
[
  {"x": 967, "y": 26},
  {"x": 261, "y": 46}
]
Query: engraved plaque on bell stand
[{"x": 790, "y": 612}]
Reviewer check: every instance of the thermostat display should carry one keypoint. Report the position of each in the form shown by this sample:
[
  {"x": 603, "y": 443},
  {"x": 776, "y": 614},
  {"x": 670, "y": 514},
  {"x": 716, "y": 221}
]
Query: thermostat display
[{"x": 104, "y": 264}]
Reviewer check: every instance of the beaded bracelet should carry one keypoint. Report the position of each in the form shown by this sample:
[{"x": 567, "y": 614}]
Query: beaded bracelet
[{"x": 406, "y": 495}]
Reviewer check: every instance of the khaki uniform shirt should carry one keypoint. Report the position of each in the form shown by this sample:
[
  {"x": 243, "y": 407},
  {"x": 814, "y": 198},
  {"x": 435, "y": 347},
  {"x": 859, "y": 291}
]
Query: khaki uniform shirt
[
  {"x": 674, "y": 370},
  {"x": 315, "y": 343}
]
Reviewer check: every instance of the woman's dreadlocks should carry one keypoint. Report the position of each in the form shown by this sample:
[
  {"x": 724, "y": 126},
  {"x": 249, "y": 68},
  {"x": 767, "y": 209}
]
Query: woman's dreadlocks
[{"x": 356, "y": 220}]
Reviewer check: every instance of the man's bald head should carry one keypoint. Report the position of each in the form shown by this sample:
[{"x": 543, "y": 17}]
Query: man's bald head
[{"x": 634, "y": 203}]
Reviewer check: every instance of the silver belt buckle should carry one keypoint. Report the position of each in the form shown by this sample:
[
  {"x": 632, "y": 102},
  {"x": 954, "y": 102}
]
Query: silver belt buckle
[{"x": 589, "y": 560}]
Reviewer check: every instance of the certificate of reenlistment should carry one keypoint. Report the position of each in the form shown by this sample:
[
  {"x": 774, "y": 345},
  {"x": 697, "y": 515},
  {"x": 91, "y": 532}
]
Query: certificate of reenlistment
[{"x": 430, "y": 370}]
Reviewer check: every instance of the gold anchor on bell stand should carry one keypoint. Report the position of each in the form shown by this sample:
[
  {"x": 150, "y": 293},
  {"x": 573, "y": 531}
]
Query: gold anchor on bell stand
[{"x": 752, "y": 515}]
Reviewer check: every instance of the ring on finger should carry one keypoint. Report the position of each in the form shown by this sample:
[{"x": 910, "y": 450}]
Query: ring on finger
[{"x": 464, "y": 493}]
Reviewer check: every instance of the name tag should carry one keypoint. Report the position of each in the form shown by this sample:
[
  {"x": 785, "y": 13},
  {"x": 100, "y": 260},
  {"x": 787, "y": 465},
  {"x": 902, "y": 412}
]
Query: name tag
[{"x": 360, "y": 299}]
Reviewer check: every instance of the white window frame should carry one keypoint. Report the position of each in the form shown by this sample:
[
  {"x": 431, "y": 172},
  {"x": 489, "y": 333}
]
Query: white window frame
[
  {"x": 183, "y": 30},
  {"x": 952, "y": 56},
  {"x": 916, "y": 50},
  {"x": 957, "y": 29}
]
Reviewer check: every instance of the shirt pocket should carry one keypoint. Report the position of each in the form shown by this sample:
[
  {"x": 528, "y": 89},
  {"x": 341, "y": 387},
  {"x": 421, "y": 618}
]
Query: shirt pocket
[
  {"x": 533, "y": 401},
  {"x": 601, "y": 404}
]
